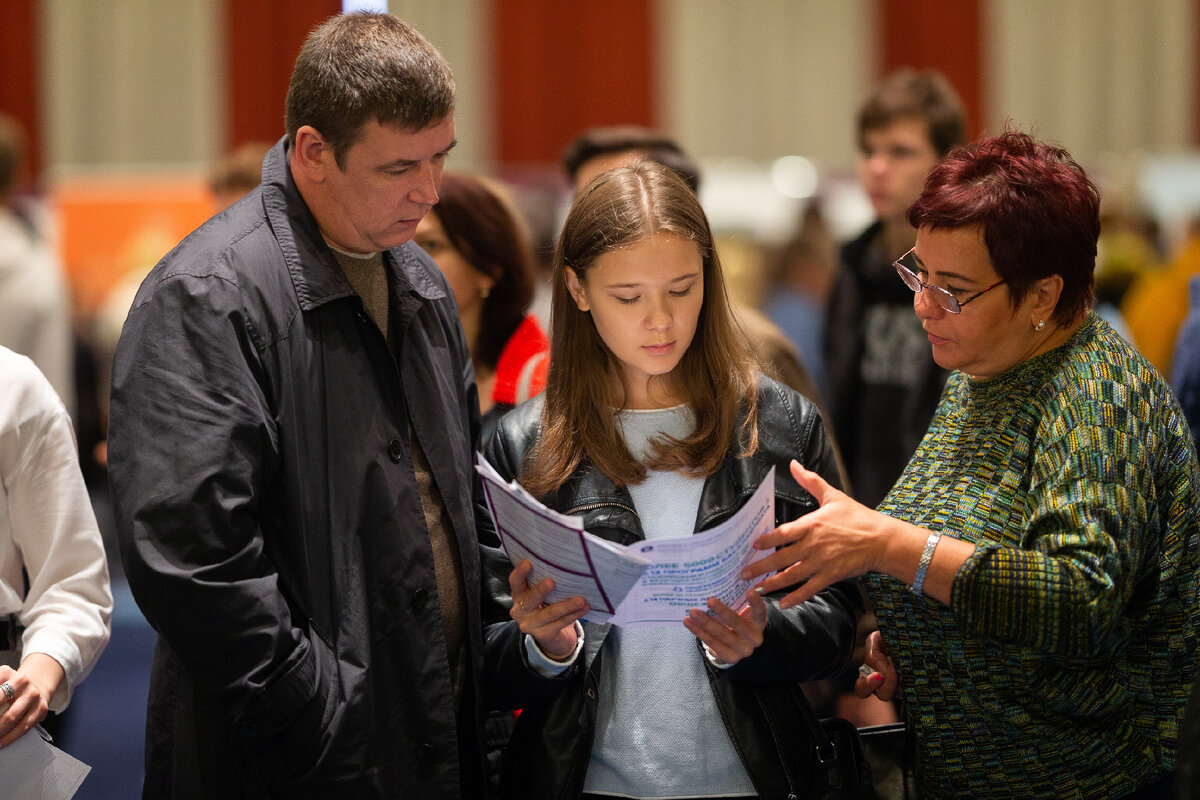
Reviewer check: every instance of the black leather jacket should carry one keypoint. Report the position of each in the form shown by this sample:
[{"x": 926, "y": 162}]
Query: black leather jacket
[{"x": 548, "y": 754}]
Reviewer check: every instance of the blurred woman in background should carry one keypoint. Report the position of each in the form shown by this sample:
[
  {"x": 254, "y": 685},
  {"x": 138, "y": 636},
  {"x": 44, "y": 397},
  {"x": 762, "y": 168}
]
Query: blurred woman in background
[{"x": 477, "y": 239}]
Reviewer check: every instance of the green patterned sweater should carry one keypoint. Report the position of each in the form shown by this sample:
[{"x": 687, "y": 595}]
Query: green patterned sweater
[{"x": 1063, "y": 663}]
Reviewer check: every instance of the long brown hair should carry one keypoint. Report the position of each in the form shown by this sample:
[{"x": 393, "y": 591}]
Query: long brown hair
[
  {"x": 717, "y": 376},
  {"x": 483, "y": 226}
]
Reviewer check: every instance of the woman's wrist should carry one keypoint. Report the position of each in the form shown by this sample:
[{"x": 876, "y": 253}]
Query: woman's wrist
[
  {"x": 562, "y": 653},
  {"x": 903, "y": 545},
  {"x": 44, "y": 671},
  {"x": 931, "y": 543}
]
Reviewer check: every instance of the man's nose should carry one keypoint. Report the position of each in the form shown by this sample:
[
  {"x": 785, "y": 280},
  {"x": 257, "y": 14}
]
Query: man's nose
[{"x": 426, "y": 189}]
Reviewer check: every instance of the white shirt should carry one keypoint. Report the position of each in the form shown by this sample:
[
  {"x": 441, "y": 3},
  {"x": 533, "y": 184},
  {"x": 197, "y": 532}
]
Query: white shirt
[
  {"x": 47, "y": 526},
  {"x": 35, "y": 304}
]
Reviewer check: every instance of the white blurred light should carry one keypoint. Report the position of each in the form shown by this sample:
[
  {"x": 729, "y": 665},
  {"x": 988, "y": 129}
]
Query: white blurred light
[
  {"x": 794, "y": 176},
  {"x": 379, "y": 6}
]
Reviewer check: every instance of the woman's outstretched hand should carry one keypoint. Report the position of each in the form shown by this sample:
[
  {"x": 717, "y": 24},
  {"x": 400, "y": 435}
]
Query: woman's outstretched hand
[
  {"x": 730, "y": 635},
  {"x": 832, "y": 543},
  {"x": 552, "y": 626}
]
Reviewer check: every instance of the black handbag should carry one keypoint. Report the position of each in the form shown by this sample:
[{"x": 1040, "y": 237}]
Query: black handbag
[
  {"x": 850, "y": 763},
  {"x": 888, "y": 751},
  {"x": 837, "y": 764}
]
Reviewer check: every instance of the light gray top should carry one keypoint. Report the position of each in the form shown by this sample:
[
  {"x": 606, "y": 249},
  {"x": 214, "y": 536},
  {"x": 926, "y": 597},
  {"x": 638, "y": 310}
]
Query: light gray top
[{"x": 658, "y": 731}]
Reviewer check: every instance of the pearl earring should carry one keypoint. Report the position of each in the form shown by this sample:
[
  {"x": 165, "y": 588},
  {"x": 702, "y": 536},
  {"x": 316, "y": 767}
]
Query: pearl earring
[{"x": 1040, "y": 325}]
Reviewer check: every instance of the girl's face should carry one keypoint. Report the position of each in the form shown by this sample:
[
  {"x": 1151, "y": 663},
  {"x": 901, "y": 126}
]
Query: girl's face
[{"x": 645, "y": 301}]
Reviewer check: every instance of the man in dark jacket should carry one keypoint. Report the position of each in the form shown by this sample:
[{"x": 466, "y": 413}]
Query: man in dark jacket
[
  {"x": 882, "y": 380},
  {"x": 292, "y": 423}
]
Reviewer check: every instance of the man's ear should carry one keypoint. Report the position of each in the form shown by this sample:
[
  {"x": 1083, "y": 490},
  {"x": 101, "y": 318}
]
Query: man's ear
[
  {"x": 576, "y": 290},
  {"x": 311, "y": 154}
]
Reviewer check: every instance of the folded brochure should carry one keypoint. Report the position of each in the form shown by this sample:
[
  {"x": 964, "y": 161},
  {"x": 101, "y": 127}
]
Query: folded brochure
[{"x": 653, "y": 582}]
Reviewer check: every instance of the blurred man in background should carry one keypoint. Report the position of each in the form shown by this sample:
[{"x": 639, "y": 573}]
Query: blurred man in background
[{"x": 883, "y": 382}]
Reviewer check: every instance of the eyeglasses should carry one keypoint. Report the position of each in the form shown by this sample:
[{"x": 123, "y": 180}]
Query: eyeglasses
[{"x": 943, "y": 298}]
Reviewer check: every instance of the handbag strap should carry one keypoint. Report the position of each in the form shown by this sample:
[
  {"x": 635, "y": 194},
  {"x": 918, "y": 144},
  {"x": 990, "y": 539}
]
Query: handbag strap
[{"x": 825, "y": 748}]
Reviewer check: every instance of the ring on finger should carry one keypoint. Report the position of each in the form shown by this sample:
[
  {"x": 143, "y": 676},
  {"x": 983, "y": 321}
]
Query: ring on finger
[{"x": 8, "y": 690}]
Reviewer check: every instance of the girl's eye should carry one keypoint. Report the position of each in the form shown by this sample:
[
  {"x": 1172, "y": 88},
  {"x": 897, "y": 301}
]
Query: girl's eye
[
  {"x": 625, "y": 301},
  {"x": 682, "y": 292}
]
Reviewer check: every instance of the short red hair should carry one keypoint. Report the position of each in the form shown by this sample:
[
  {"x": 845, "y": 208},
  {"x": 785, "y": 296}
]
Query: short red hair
[{"x": 1038, "y": 211}]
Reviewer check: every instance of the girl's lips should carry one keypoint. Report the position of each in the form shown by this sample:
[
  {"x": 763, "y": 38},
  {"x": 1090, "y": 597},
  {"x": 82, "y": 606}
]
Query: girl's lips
[{"x": 658, "y": 349}]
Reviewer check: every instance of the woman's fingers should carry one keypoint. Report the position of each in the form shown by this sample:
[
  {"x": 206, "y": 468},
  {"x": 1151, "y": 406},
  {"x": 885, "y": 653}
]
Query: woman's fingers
[
  {"x": 518, "y": 579},
  {"x": 877, "y": 675},
  {"x": 25, "y": 708},
  {"x": 552, "y": 625},
  {"x": 813, "y": 483},
  {"x": 787, "y": 560},
  {"x": 529, "y": 600}
]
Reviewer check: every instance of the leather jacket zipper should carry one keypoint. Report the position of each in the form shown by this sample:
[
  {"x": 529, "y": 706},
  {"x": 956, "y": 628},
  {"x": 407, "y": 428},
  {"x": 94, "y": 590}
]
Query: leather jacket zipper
[
  {"x": 778, "y": 747},
  {"x": 605, "y": 504}
]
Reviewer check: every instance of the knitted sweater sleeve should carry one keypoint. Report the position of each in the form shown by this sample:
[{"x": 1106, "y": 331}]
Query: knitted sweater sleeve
[{"x": 1093, "y": 525}]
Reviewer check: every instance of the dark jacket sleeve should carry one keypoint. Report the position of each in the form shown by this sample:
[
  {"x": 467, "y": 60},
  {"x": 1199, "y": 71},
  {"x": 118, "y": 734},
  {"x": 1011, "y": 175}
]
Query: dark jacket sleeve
[
  {"x": 815, "y": 639},
  {"x": 510, "y": 683},
  {"x": 191, "y": 444}
]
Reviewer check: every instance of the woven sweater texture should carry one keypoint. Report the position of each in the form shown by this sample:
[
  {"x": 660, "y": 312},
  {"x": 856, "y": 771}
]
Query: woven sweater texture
[{"x": 1063, "y": 663}]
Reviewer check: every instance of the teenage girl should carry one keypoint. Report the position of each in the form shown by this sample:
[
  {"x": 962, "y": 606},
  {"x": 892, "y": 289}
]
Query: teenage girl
[{"x": 655, "y": 423}]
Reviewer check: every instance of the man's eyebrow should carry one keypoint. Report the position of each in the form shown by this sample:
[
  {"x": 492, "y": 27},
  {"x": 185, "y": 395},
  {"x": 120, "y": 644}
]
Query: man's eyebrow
[{"x": 408, "y": 162}]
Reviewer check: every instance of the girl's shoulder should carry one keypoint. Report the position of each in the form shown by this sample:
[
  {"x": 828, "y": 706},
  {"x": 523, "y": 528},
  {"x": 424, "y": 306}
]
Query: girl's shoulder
[
  {"x": 515, "y": 435},
  {"x": 778, "y": 398},
  {"x": 786, "y": 419}
]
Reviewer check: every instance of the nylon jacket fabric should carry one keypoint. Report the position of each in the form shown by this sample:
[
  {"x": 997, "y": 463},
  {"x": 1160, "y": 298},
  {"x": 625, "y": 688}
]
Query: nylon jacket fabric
[
  {"x": 269, "y": 520},
  {"x": 548, "y": 754}
]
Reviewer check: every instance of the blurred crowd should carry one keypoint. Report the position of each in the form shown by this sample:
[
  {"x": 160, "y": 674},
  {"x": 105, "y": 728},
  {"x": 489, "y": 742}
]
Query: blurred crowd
[{"x": 796, "y": 289}]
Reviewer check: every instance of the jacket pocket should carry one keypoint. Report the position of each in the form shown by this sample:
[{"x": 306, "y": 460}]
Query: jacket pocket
[{"x": 317, "y": 751}]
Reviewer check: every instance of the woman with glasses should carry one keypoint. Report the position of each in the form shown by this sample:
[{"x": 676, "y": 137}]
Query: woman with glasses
[{"x": 1034, "y": 569}]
